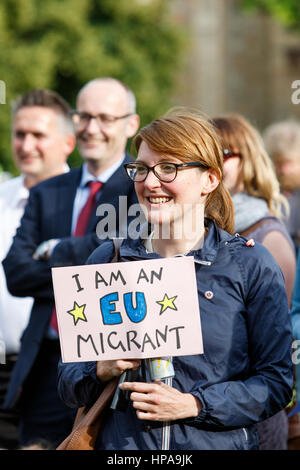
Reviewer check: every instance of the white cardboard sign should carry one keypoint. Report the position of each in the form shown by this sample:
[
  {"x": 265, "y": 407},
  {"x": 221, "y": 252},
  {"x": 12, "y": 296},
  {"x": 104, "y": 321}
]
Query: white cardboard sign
[{"x": 137, "y": 309}]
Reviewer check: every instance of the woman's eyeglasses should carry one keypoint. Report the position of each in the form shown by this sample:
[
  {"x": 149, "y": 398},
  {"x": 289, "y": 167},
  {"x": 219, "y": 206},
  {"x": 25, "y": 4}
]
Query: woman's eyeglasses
[
  {"x": 229, "y": 154},
  {"x": 165, "y": 172}
]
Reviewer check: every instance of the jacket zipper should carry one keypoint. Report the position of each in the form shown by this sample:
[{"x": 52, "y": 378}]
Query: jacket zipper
[{"x": 199, "y": 261}]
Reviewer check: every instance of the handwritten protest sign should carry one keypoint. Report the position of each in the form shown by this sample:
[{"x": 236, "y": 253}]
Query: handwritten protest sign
[{"x": 139, "y": 309}]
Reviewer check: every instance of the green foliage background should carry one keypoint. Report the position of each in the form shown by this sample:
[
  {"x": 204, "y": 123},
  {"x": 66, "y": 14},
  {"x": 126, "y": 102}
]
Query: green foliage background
[
  {"x": 286, "y": 11},
  {"x": 61, "y": 44}
]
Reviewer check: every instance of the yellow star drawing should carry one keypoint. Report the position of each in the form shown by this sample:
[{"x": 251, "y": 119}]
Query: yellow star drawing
[
  {"x": 167, "y": 303},
  {"x": 77, "y": 312}
]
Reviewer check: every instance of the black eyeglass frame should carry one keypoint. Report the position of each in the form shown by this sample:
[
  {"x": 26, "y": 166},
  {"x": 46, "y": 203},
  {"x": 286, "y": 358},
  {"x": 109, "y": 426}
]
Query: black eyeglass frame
[
  {"x": 152, "y": 168},
  {"x": 104, "y": 118}
]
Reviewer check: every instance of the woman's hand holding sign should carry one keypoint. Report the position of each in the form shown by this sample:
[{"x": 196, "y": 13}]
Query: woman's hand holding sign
[
  {"x": 156, "y": 401},
  {"x": 106, "y": 370}
]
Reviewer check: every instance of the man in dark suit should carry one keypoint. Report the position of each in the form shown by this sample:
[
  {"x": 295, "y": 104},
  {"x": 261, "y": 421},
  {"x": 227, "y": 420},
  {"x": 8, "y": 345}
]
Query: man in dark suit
[{"x": 57, "y": 230}]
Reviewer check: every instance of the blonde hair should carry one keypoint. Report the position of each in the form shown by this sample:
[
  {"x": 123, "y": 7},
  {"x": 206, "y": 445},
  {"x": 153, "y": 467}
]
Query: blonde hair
[
  {"x": 282, "y": 139},
  {"x": 257, "y": 172},
  {"x": 189, "y": 136}
]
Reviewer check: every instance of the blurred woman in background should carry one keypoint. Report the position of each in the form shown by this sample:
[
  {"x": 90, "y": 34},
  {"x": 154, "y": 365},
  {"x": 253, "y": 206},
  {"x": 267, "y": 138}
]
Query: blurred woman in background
[{"x": 251, "y": 180}]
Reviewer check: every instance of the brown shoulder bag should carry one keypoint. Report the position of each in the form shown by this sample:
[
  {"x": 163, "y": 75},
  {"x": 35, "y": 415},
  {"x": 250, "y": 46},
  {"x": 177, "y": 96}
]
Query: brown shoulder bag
[{"x": 88, "y": 422}]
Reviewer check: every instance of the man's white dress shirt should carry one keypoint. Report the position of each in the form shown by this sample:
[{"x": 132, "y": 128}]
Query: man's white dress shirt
[
  {"x": 83, "y": 190},
  {"x": 14, "y": 311}
]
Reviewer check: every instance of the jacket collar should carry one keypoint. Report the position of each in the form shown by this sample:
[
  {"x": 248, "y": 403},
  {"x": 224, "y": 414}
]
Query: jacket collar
[{"x": 135, "y": 249}]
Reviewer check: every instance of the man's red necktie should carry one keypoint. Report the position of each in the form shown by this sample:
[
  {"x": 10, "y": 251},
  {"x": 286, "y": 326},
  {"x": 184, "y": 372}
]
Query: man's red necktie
[{"x": 81, "y": 226}]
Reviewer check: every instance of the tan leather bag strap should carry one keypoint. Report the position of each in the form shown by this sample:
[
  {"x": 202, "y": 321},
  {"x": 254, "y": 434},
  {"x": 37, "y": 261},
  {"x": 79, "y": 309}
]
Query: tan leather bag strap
[{"x": 117, "y": 243}]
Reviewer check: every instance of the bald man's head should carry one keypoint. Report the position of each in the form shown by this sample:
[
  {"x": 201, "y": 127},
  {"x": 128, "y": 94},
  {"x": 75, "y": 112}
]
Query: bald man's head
[
  {"x": 129, "y": 95},
  {"x": 106, "y": 119}
]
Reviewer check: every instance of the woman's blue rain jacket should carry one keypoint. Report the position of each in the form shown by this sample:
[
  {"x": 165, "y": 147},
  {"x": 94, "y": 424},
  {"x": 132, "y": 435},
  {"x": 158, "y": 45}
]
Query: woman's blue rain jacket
[{"x": 245, "y": 374}]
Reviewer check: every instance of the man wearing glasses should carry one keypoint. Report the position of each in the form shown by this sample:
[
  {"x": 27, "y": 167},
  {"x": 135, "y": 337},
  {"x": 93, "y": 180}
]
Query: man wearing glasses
[{"x": 59, "y": 229}]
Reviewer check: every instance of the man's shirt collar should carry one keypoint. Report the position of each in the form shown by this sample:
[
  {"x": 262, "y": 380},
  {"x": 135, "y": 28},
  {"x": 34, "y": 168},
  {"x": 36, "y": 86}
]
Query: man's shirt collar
[{"x": 86, "y": 176}]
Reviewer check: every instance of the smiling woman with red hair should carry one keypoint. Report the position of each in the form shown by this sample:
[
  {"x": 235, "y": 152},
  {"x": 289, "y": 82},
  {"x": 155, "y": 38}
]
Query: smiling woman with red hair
[{"x": 215, "y": 399}]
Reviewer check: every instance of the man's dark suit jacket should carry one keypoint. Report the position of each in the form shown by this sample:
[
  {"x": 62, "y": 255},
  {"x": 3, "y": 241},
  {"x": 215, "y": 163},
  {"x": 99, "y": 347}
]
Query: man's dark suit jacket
[{"x": 48, "y": 214}]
